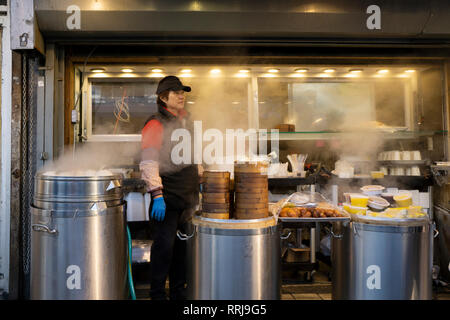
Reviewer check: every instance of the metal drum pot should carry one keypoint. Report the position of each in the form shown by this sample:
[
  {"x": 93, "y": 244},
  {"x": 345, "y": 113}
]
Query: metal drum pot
[
  {"x": 382, "y": 260},
  {"x": 63, "y": 192},
  {"x": 442, "y": 217},
  {"x": 78, "y": 243},
  {"x": 233, "y": 259}
]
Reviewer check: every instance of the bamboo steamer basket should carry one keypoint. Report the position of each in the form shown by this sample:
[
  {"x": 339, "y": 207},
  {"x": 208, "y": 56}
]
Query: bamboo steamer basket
[
  {"x": 245, "y": 185},
  {"x": 216, "y": 174},
  {"x": 251, "y": 167},
  {"x": 207, "y": 206},
  {"x": 255, "y": 179},
  {"x": 215, "y": 201},
  {"x": 216, "y": 215},
  {"x": 218, "y": 181},
  {"x": 252, "y": 214},
  {"x": 209, "y": 189},
  {"x": 251, "y": 190},
  {"x": 255, "y": 206},
  {"x": 212, "y": 196},
  {"x": 252, "y": 203},
  {"x": 251, "y": 175},
  {"x": 242, "y": 202},
  {"x": 251, "y": 196},
  {"x": 216, "y": 194}
]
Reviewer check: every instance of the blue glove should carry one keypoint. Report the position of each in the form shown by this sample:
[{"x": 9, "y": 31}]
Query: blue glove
[{"x": 158, "y": 209}]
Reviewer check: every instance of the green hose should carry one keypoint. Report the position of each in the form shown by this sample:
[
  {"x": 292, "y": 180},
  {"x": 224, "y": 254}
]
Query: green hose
[{"x": 130, "y": 276}]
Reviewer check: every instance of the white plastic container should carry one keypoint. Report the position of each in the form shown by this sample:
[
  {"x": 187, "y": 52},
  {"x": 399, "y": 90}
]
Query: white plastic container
[
  {"x": 135, "y": 207},
  {"x": 378, "y": 203},
  {"x": 147, "y": 201},
  {"x": 372, "y": 190}
]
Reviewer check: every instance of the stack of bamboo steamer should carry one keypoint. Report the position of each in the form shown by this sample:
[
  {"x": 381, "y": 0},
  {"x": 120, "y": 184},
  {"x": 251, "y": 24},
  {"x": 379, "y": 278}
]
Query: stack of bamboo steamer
[
  {"x": 216, "y": 195},
  {"x": 251, "y": 190}
]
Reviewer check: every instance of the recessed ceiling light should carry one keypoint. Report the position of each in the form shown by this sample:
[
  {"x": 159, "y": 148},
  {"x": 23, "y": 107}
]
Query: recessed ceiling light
[
  {"x": 273, "y": 70},
  {"x": 355, "y": 70},
  {"x": 301, "y": 70},
  {"x": 329, "y": 70},
  {"x": 156, "y": 70},
  {"x": 244, "y": 70},
  {"x": 383, "y": 71},
  {"x": 97, "y": 70},
  {"x": 410, "y": 70},
  {"x": 215, "y": 71},
  {"x": 156, "y": 75},
  {"x": 127, "y": 70},
  {"x": 186, "y": 70}
]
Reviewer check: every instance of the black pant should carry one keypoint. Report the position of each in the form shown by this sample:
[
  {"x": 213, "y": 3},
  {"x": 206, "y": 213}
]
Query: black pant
[{"x": 168, "y": 254}]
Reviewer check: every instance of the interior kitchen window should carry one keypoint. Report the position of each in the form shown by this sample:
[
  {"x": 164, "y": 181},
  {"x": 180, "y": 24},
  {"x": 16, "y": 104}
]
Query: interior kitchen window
[
  {"x": 122, "y": 107},
  {"x": 118, "y": 104},
  {"x": 312, "y": 98},
  {"x": 219, "y": 102},
  {"x": 341, "y": 100}
]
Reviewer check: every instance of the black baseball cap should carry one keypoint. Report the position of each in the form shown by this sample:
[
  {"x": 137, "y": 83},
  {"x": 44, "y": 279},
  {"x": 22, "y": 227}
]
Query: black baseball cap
[{"x": 171, "y": 83}]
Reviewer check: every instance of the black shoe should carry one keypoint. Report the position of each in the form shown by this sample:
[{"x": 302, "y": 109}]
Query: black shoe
[
  {"x": 158, "y": 294},
  {"x": 179, "y": 294},
  {"x": 159, "y": 298}
]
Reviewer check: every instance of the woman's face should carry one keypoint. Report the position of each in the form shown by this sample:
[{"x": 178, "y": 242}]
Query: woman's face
[{"x": 175, "y": 100}]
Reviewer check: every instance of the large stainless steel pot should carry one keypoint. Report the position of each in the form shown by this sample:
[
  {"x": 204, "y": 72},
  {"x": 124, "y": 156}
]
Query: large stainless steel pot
[
  {"x": 442, "y": 217},
  {"x": 234, "y": 259},
  {"x": 77, "y": 192},
  {"x": 78, "y": 239},
  {"x": 382, "y": 260}
]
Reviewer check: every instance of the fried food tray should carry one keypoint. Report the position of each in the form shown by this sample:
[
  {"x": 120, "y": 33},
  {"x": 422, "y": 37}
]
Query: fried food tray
[
  {"x": 311, "y": 199},
  {"x": 305, "y": 220}
]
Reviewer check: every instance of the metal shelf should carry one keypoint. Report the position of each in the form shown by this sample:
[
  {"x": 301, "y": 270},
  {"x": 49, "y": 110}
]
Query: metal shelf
[
  {"x": 418, "y": 182},
  {"x": 291, "y": 182},
  {"x": 404, "y": 162},
  {"x": 440, "y": 168},
  {"x": 326, "y": 135},
  {"x": 297, "y": 135}
]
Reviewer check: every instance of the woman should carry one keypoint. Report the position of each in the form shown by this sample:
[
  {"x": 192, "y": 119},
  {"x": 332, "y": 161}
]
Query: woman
[{"x": 173, "y": 188}]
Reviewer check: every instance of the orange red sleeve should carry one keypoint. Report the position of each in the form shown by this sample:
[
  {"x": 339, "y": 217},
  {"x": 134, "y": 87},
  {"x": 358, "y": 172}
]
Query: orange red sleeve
[{"x": 152, "y": 135}]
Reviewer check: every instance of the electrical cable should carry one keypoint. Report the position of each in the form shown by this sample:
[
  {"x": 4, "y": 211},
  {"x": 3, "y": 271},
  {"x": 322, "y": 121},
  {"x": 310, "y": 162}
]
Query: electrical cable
[
  {"x": 130, "y": 276},
  {"x": 123, "y": 108}
]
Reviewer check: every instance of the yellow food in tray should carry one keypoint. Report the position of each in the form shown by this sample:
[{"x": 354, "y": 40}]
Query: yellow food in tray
[
  {"x": 399, "y": 213},
  {"x": 377, "y": 174},
  {"x": 415, "y": 212},
  {"x": 359, "y": 200},
  {"x": 354, "y": 209},
  {"x": 403, "y": 200},
  {"x": 356, "y": 199}
]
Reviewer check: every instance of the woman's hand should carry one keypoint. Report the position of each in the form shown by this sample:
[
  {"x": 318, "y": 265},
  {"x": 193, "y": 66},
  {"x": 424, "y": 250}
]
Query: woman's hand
[{"x": 158, "y": 209}]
